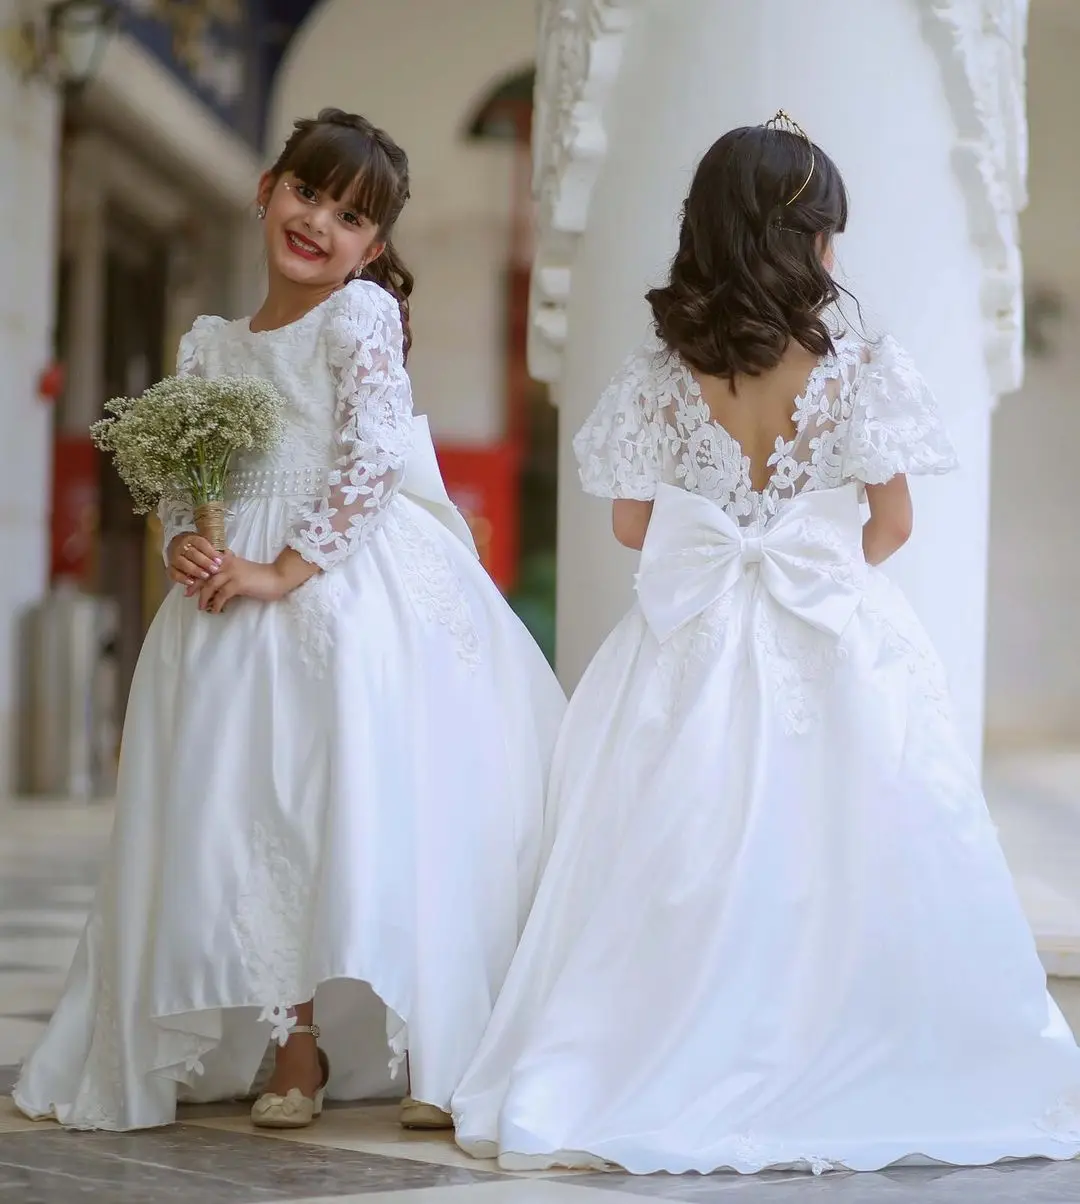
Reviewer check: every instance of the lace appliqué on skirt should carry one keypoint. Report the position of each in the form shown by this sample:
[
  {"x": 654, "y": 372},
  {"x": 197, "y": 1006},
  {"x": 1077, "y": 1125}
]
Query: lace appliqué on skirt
[
  {"x": 311, "y": 609},
  {"x": 434, "y": 586},
  {"x": 798, "y": 661},
  {"x": 269, "y": 925},
  {"x": 931, "y": 733},
  {"x": 684, "y": 660},
  {"x": 1062, "y": 1121}
]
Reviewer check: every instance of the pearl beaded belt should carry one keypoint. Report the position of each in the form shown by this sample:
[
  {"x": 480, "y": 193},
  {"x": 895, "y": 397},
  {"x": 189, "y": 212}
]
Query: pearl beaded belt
[{"x": 277, "y": 482}]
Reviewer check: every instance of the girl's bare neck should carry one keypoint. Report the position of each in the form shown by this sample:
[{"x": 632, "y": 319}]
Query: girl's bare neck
[{"x": 286, "y": 303}]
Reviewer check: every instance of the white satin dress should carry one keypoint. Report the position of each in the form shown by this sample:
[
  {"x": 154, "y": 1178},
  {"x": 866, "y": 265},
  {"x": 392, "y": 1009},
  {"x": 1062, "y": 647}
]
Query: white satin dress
[
  {"x": 775, "y": 929},
  {"x": 338, "y": 795}
]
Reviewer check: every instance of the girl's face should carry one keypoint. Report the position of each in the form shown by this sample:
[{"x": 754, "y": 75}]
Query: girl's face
[{"x": 313, "y": 239}]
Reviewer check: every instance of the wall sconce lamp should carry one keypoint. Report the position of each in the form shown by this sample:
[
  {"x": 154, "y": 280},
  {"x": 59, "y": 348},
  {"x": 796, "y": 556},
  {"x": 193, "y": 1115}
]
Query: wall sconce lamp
[{"x": 63, "y": 43}]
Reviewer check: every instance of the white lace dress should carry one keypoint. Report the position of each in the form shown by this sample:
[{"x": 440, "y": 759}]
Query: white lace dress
[
  {"x": 336, "y": 795},
  {"x": 775, "y": 928}
]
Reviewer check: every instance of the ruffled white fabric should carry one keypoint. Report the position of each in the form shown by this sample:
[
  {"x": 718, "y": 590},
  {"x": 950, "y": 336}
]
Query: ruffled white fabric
[
  {"x": 776, "y": 928},
  {"x": 307, "y": 787},
  {"x": 895, "y": 426},
  {"x": 619, "y": 448}
]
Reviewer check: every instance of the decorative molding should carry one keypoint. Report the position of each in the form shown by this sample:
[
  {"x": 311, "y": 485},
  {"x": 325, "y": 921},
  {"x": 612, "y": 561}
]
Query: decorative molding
[
  {"x": 580, "y": 47},
  {"x": 981, "y": 47}
]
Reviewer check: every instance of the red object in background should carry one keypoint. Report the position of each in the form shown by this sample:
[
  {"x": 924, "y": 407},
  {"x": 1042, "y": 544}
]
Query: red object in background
[
  {"x": 483, "y": 483},
  {"x": 51, "y": 382},
  {"x": 75, "y": 500}
]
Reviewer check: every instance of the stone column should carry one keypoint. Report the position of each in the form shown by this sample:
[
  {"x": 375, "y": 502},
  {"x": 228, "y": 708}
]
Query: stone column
[
  {"x": 29, "y": 135},
  {"x": 920, "y": 103}
]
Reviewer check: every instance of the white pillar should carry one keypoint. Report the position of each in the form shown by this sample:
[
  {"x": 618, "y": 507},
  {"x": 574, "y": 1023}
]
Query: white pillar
[
  {"x": 29, "y": 134},
  {"x": 888, "y": 89}
]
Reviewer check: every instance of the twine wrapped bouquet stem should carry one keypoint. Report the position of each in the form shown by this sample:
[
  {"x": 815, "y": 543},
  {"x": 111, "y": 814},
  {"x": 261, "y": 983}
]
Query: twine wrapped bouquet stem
[{"x": 210, "y": 524}]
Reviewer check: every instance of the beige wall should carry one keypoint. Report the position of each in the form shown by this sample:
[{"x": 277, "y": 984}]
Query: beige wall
[{"x": 1033, "y": 656}]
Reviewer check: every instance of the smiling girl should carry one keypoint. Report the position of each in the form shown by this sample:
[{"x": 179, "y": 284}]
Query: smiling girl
[{"x": 332, "y": 725}]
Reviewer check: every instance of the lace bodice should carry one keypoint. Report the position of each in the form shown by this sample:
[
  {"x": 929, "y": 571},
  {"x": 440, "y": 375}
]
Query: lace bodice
[
  {"x": 348, "y": 422},
  {"x": 866, "y": 415}
]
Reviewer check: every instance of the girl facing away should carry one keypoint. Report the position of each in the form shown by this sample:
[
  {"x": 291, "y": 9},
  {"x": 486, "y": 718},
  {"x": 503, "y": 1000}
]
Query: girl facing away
[
  {"x": 776, "y": 929},
  {"x": 338, "y": 736}
]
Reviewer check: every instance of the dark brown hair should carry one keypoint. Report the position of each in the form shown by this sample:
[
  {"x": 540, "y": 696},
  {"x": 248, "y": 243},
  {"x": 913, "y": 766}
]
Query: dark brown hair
[
  {"x": 348, "y": 157},
  {"x": 747, "y": 278}
]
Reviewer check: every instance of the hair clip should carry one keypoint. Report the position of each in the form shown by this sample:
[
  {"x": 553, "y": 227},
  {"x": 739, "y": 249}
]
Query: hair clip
[{"x": 785, "y": 124}]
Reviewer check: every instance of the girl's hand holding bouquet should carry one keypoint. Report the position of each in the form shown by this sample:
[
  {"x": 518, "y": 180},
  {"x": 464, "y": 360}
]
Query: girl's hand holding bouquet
[{"x": 177, "y": 441}]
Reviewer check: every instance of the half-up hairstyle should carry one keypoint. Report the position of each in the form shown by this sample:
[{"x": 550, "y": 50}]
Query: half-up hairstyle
[
  {"x": 748, "y": 277},
  {"x": 352, "y": 160}
]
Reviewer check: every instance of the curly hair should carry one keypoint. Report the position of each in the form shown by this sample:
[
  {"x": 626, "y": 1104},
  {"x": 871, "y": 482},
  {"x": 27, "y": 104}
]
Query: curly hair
[
  {"x": 748, "y": 276},
  {"x": 345, "y": 154}
]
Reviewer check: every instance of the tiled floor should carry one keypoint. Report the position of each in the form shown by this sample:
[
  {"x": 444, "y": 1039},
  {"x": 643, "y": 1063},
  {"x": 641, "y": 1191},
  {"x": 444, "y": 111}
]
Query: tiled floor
[{"x": 48, "y": 859}]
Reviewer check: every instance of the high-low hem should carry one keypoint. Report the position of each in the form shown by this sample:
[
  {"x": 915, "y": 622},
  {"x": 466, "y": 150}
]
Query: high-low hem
[{"x": 236, "y": 1055}]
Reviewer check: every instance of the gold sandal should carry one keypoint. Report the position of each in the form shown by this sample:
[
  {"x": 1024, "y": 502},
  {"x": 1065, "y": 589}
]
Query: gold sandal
[
  {"x": 416, "y": 1115},
  {"x": 293, "y": 1110}
]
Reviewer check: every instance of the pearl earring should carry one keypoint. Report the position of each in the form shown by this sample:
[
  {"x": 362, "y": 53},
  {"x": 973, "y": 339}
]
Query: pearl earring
[{"x": 260, "y": 212}]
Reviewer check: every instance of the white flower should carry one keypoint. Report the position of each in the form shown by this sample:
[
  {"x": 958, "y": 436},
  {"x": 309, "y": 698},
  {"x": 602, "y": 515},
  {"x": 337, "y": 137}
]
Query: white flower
[{"x": 283, "y": 1022}]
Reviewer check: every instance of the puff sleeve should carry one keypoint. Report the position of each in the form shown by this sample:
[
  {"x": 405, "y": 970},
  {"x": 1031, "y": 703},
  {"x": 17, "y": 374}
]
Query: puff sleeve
[
  {"x": 619, "y": 448},
  {"x": 895, "y": 426}
]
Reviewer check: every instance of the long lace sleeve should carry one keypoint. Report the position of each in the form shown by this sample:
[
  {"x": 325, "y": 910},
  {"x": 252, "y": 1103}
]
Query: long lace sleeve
[
  {"x": 619, "y": 448},
  {"x": 374, "y": 436},
  {"x": 895, "y": 425},
  {"x": 178, "y": 517}
]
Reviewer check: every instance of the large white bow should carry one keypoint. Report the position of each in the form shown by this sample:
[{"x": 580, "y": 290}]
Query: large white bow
[
  {"x": 809, "y": 558},
  {"x": 423, "y": 482}
]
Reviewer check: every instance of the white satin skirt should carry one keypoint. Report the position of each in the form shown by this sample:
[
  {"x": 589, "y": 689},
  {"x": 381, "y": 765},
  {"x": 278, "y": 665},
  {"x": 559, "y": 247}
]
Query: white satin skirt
[
  {"x": 337, "y": 796},
  {"x": 776, "y": 928}
]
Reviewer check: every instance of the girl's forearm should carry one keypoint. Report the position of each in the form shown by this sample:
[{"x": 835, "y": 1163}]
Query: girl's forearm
[
  {"x": 880, "y": 539},
  {"x": 293, "y": 570}
]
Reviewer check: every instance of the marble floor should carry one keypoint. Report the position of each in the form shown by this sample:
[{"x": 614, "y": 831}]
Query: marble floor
[{"x": 48, "y": 860}]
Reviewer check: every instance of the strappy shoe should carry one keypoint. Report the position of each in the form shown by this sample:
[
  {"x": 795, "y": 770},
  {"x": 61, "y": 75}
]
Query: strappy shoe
[{"x": 293, "y": 1110}]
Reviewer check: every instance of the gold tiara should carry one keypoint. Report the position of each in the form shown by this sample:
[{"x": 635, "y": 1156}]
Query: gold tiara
[{"x": 789, "y": 125}]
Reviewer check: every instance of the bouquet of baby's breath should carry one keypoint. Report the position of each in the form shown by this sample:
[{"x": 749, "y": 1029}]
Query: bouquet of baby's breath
[{"x": 177, "y": 439}]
